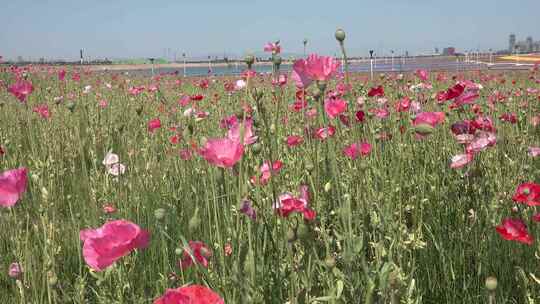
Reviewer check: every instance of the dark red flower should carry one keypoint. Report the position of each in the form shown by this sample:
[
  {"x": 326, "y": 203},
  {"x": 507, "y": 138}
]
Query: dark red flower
[
  {"x": 360, "y": 116},
  {"x": 376, "y": 91},
  {"x": 509, "y": 117}
]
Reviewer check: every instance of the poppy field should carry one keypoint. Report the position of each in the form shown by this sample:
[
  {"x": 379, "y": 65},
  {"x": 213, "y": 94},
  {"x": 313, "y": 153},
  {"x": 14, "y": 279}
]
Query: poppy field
[{"x": 315, "y": 186}]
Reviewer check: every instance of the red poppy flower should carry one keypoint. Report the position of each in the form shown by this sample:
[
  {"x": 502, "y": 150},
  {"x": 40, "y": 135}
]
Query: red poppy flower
[
  {"x": 197, "y": 253},
  {"x": 193, "y": 294},
  {"x": 527, "y": 193},
  {"x": 153, "y": 125},
  {"x": 513, "y": 229}
]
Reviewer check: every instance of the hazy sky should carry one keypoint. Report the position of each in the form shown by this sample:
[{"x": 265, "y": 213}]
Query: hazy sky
[{"x": 132, "y": 28}]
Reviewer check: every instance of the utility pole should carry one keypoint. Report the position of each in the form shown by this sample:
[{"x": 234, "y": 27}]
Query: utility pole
[
  {"x": 392, "y": 52},
  {"x": 81, "y": 53}
]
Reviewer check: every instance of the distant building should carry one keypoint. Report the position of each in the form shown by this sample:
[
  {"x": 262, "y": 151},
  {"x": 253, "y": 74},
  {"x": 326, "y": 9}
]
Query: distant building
[
  {"x": 527, "y": 46},
  {"x": 449, "y": 51}
]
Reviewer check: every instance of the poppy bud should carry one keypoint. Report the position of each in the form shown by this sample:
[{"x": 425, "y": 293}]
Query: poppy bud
[
  {"x": 273, "y": 128},
  {"x": 321, "y": 85},
  {"x": 71, "y": 106},
  {"x": 303, "y": 232},
  {"x": 309, "y": 167},
  {"x": 491, "y": 283},
  {"x": 159, "y": 214},
  {"x": 327, "y": 187},
  {"x": 195, "y": 221},
  {"x": 276, "y": 59},
  {"x": 424, "y": 129},
  {"x": 139, "y": 110},
  {"x": 340, "y": 35},
  {"x": 256, "y": 148},
  {"x": 330, "y": 261},
  {"x": 316, "y": 93},
  {"x": 249, "y": 60},
  {"x": 52, "y": 279},
  {"x": 291, "y": 235},
  {"x": 179, "y": 251}
]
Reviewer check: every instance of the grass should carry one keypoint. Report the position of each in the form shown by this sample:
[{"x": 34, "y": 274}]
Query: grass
[{"x": 398, "y": 226}]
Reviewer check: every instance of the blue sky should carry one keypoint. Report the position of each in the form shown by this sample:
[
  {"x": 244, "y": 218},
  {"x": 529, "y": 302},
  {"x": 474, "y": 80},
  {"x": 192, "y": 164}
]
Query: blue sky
[{"x": 122, "y": 28}]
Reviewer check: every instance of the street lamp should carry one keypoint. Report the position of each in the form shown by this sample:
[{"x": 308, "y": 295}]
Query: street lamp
[
  {"x": 152, "y": 62},
  {"x": 371, "y": 63},
  {"x": 305, "y": 44},
  {"x": 184, "y": 57}
]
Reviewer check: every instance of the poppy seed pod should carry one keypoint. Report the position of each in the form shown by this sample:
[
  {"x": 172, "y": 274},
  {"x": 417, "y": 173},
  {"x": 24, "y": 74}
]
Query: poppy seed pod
[
  {"x": 159, "y": 214},
  {"x": 491, "y": 283},
  {"x": 249, "y": 60},
  {"x": 276, "y": 59},
  {"x": 340, "y": 35},
  {"x": 194, "y": 221}
]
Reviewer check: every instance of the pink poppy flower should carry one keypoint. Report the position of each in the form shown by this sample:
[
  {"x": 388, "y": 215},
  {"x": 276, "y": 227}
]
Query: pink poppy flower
[
  {"x": 422, "y": 74},
  {"x": 109, "y": 209},
  {"x": 430, "y": 118},
  {"x": 249, "y": 135},
  {"x": 324, "y": 133},
  {"x": 481, "y": 141},
  {"x": 42, "y": 110},
  {"x": 154, "y": 124},
  {"x": 403, "y": 105},
  {"x": 314, "y": 68},
  {"x": 461, "y": 160},
  {"x": 21, "y": 89},
  {"x": 12, "y": 185},
  {"x": 103, "y": 103},
  {"x": 376, "y": 91},
  {"x": 193, "y": 294},
  {"x": 534, "y": 151},
  {"x": 294, "y": 140},
  {"x": 185, "y": 154},
  {"x": 536, "y": 217},
  {"x": 222, "y": 152},
  {"x": 354, "y": 150},
  {"x": 466, "y": 98},
  {"x": 513, "y": 229},
  {"x": 105, "y": 245},
  {"x": 280, "y": 81},
  {"x": 15, "y": 270},
  {"x": 528, "y": 194},
  {"x": 134, "y": 91},
  {"x": 62, "y": 75},
  {"x": 272, "y": 47},
  {"x": 381, "y": 113},
  {"x": 197, "y": 253},
  {"x": 334, "y": 107}
]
